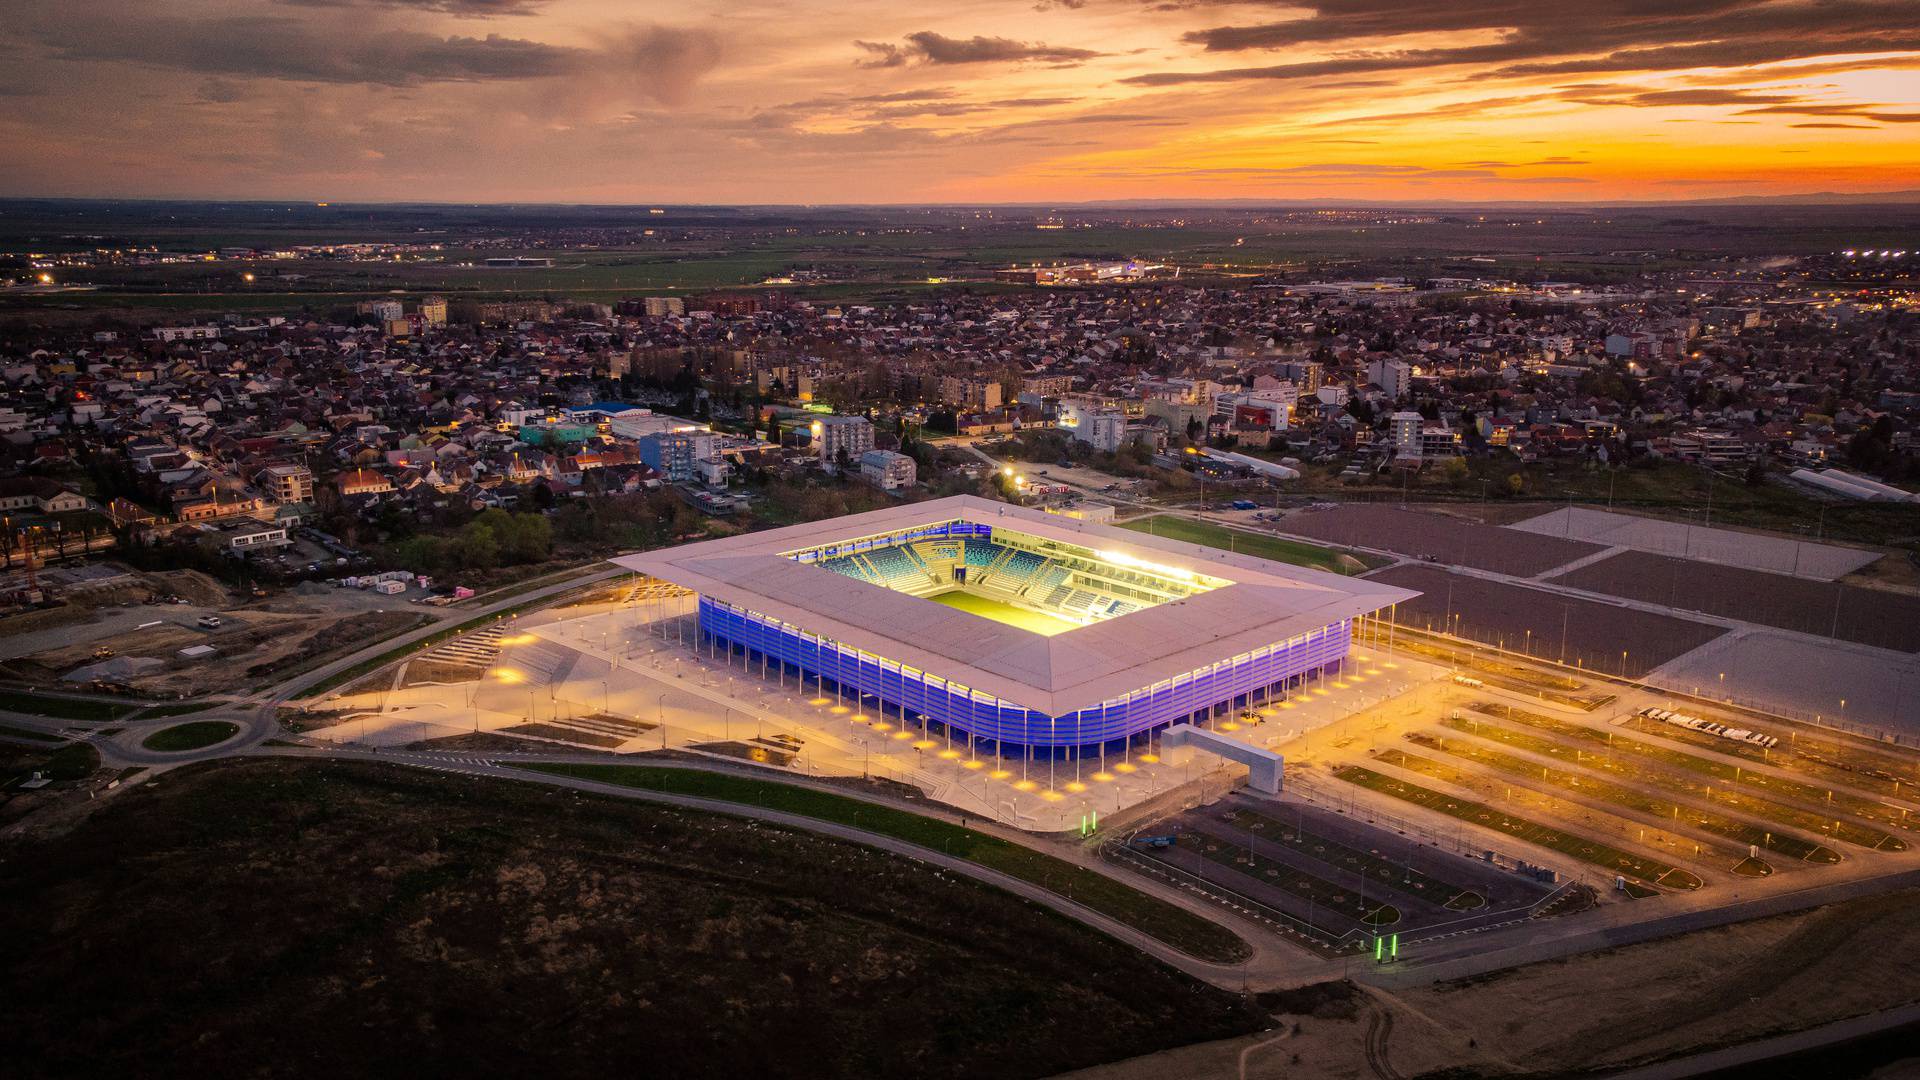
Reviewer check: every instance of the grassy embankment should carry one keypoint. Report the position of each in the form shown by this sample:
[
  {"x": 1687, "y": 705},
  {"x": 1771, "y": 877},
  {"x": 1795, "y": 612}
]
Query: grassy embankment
[{"x": 1173, "y": 925}]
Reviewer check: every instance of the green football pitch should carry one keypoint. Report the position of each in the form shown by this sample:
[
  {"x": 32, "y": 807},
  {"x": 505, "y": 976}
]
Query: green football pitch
[{"x": 1038, "y": 622}]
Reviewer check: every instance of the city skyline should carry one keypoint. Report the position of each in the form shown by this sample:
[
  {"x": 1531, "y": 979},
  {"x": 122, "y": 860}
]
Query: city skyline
[{"x": 1061, "y": 100}]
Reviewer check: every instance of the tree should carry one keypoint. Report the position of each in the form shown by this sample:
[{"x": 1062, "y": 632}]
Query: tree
[
  {"x": 529, "y": 538},
  {"x": 478, "y": 547},
  {"x": 421, "y": 553}
]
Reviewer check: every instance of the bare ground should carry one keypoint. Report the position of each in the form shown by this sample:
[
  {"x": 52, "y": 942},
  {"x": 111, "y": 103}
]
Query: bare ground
[
  {"x": 283, "y": 919},
  {"x": 1601, "y": 1010}
]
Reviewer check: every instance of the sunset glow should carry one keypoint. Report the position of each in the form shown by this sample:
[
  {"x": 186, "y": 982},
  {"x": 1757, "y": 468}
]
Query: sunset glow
[{"x": 1006, "y": 100}]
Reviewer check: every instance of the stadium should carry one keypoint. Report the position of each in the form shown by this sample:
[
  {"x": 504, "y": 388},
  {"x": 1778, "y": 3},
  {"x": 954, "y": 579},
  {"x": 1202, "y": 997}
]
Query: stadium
[{"x": 1042, "y": 634}]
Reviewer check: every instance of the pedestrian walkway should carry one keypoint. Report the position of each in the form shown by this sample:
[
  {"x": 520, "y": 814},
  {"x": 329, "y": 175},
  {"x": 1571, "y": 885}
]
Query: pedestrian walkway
[{"x": 478, "y": 649}]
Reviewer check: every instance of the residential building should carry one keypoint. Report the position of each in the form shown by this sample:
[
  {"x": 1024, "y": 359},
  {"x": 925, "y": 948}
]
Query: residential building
[
  {"x": 841, "y": 438},
  {"x": 887, "y": 470},
  {"x": 1403, "y": 430},
  {"x": 968, "y": 393},
  {"x": 682, "y": 457},
  {"x": 1098, "y": 426},
  {"x": 287, "y": 483}
]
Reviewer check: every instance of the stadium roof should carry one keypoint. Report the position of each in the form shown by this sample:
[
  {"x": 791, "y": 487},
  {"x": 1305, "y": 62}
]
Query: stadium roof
[{"x": 1267, "y": 602}]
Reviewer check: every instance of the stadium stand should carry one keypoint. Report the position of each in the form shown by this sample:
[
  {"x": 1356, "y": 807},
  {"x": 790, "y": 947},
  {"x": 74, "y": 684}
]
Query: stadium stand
[{"x": 1065, "y": 582}]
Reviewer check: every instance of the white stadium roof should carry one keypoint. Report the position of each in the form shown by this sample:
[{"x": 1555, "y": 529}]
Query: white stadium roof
[{"x": 1266, "y": 603}]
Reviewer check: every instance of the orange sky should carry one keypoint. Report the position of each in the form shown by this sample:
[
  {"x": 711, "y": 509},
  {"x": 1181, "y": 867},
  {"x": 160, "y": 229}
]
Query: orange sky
[{"x": 1027, "y": 100}]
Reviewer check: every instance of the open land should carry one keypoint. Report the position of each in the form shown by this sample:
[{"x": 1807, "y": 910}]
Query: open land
[
  {"x": 403, "y": 917},
  {"x": 1598, "y": 1011}
]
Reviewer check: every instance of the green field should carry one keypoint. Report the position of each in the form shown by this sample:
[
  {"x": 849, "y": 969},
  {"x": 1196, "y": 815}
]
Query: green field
[
  {"x": 1037, "y": 621},
  {"x": 64, "y": 708},
  {"x": 1240, "y": 541},
  {"x": 193, "y": 736},
  {"x": 1151, "y": 915}
]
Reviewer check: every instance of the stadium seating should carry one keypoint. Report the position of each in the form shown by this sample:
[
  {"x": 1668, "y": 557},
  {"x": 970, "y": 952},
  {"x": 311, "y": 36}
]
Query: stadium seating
[
  {"x": 893, "y": 569},
  {"x": 995, "y": 570},
  {"x": 982, "y": 554},
  {"x": 845, "y": 564},
  {"x": 1020, "y": 571}
]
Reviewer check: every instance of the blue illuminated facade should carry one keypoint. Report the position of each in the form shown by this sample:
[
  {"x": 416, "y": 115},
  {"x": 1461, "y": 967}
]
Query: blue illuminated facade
[{"x": 1233, "y": 683}]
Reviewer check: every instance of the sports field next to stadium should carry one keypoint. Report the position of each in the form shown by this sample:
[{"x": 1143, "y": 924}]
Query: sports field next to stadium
[{"x": 988, "y": 608}]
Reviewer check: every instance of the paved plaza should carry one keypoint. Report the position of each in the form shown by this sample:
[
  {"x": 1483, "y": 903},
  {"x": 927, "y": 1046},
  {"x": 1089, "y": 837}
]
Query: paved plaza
[
  {"x": 636, "y": 668},
  {"x": 1832, "y": 682},
  {"x": 1777, "y": 554}
]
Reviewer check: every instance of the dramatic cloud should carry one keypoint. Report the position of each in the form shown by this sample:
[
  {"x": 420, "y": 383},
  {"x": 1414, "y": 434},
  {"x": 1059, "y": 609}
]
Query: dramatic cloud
[
  {"x": 1701, "y": 97},
  {"x": 931, "y": 48},
  {"x": 1021, "y": 100},
  {"x": 1531, "y": 38},
  {"x": 660, "y": 62},
  {"x": 466, "y": 9},
  {"x": 1858, "y": 112},
  {"x": 627, "y": 62},
  {"x": 276, "y": 48}
]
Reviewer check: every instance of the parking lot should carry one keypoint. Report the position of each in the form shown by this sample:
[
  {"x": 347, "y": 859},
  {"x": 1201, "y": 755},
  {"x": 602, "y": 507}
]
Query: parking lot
[
  {"x": 1437, "y": 537},
  {"x": 1346, "y": 879},
  {"x": 1874, "y": 617},
  {"x": 1620, "y": 794},
  {"x": 1592, "y": 634},
  {"x": 1779, "y": 554}
]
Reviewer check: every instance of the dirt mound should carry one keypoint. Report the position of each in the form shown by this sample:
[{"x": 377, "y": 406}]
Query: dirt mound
[
  {"x": 190, "y": 585},
  {"x": 1336, "y": 1000},
  {"x": 119, "y": 669}
]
